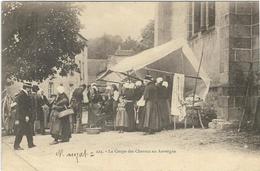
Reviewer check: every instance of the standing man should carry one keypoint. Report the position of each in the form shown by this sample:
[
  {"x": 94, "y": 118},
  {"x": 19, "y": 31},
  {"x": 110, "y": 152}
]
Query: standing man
[
  {"x": 23, "y": 118},
  {"x": 76, "y": 104}
]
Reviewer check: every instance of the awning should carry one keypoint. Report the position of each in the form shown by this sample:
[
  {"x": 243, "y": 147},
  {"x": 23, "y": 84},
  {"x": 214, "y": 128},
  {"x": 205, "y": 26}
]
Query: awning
[{"x": 174, "y": 56}]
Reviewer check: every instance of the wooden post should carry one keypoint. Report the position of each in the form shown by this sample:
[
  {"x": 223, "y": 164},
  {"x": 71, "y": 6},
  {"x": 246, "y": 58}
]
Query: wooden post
[
  {"x": 196, "y": 82},
  {"x": 246, "y": 96}
]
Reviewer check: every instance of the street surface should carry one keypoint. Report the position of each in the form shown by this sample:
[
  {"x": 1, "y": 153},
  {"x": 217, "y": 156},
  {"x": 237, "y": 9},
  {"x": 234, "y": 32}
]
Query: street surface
[{"x": 180, "y": 150}]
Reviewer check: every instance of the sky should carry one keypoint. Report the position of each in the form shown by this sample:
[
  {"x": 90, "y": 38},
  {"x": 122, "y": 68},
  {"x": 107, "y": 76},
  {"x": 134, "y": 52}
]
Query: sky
[{"x": 115, "y": 18}]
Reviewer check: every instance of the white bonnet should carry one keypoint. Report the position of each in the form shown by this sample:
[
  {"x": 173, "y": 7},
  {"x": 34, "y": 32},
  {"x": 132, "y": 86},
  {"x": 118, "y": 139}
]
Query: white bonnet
[
  {"x": 165, "y": 84},
  {"x": 138, "y": 83},
  {"x": 159, "y": 79}
]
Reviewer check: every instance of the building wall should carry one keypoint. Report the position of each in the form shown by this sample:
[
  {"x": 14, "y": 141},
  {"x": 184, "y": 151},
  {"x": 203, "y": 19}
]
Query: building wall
[
  {"x": 71, "y": 81},
  {"x": 226, "y": 48},
  {"x": 96, "y": 66}
]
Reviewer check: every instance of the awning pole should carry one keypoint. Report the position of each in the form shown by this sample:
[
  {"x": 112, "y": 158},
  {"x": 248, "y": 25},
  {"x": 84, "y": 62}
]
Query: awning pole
[
  {"x": 130, "y": 76},
  {"x": 111, "y": 81},
  {"x": 170, "y": 73}
]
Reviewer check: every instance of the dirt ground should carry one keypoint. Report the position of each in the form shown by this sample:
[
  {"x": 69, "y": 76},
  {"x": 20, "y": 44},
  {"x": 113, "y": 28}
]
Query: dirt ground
[{"x": 180, "y": 150}]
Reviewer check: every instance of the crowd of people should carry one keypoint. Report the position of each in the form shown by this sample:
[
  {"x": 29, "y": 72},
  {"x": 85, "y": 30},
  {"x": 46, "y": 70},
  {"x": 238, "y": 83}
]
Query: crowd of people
[{"x": 140, "y": 106}]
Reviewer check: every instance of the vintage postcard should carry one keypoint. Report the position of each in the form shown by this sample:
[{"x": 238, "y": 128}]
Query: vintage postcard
[{"x": 130, "y": 86}]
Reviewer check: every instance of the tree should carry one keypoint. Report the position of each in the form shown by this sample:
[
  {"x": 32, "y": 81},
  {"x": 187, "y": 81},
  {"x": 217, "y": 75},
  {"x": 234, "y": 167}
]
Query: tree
[
  {"x": 130, "y": 44},
  {"x": 39, "y": 39},
  {"x": 146, "y": 42},
  {"x": 102, "y": 47},
  {"x": 147, "y": 35}
]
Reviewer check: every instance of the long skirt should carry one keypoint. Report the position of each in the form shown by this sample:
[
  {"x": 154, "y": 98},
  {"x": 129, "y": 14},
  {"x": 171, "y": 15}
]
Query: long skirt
[
  {"x": 141, "y": 115},
  {"x": 151, "y": 119},
  {"x": 131, "y": 115},
  {"x": 164, "y": 112},
  {"x": 114, "y": 111},
  {"x": 121, "y": 119},
  {"x": 60, "y": 127},
  {"x": 94, "y": 111}
]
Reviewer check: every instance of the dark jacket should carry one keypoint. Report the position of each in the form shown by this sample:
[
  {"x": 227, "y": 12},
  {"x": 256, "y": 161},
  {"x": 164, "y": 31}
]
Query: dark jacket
[
  {"x": 150, "y": 92},
  {"x": 77, "y": 95},
  {"x": 23, "y": 107},
  {"x": 162, "y": 92},
  {"x": 61, "y": 102}
]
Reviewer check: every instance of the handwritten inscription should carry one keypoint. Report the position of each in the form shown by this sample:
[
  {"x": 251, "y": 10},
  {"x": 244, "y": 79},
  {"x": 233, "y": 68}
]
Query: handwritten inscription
[{"x": 84, "y": 153}]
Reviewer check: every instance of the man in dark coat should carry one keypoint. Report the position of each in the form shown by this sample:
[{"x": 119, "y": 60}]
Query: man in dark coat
[
  {"x": 151, "y": 119},
  {"x": 76, "y": 103},
  {"x": 23, "y": 118}
]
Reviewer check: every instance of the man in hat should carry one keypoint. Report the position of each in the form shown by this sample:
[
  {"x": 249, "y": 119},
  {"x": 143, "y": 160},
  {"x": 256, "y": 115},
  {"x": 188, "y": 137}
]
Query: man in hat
[
  {"x": 23, "y": 118},
  {"x": 76, "y": 103},
  {"x": 151, "y": 119}
]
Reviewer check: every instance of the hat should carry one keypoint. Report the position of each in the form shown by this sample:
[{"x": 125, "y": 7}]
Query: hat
[
  {"x": 95, "y": 88},
  {"x": 131, "y": 85},
  {"x": 165, "y": 84},
  {"x": 35, "y": 88},
  {"x": 60, "y": 89},
  {"x": 148, "y": 77},
  {"x": 27, "y": 84},
  {"x": 126, "y": 85},
  {"x": 93, "y": 84},
  {"x": 159, "y": 80}
]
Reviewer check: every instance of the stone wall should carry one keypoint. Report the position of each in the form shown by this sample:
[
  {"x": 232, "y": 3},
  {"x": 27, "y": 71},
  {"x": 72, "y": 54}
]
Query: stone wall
[
  {"x": 243, "y": 49},
  {"x": 227, "y": 49}
]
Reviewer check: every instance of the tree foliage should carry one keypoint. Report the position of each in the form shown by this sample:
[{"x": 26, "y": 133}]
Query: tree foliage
[
  {"x": 130, "y": 44},
  {"x": 146, "y": 42},
  {"x": 39, "y": 38},
  {"x": 102, "y": 47},
  {"x": 147, "y": 35}
]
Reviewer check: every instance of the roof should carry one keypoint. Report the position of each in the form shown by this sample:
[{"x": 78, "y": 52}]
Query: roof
[
  {"x": 166, "y": 57},
  {"x": 121, "y": 52}
]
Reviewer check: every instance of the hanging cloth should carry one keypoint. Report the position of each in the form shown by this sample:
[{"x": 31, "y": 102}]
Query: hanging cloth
[{"x": 177, "y": 107}]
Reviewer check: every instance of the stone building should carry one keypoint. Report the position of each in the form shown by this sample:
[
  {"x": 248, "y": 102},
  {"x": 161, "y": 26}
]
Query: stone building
[{"x": 226, "y": 34}]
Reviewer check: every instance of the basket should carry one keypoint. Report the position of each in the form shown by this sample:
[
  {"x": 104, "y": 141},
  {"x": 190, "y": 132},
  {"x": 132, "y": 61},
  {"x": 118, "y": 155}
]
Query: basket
[{"x": 93, "y": 130}]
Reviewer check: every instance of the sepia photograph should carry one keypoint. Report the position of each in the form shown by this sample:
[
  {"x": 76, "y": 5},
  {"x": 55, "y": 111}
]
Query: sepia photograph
[{"x": 130, "y": 86}]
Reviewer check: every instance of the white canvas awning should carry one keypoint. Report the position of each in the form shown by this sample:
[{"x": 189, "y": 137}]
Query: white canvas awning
[{"x": 174, "y": 56}]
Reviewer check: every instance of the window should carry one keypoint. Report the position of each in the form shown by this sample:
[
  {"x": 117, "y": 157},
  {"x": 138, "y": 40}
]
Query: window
[
  {"x": 50, "y": 89},
  {"x": 211, "y": 14},
  {"x": 196, "y": 17},
  {"x": 202, "y": 17}
]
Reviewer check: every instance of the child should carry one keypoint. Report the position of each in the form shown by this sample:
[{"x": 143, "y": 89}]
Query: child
[{"x": 121, "y": 116}]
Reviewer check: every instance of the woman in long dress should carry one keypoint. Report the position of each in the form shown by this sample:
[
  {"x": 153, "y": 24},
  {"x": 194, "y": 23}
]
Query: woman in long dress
[
  {"x": 140, "y": 108},
  {"x": 114, "y": 95},
  {"x": 60, "y": 127},
  {"x": 94, "y": 107},
  {"x": 163, "y": 104},
  {"x": 151, "y": 119},
  {"x": 130, "y": 99}
]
